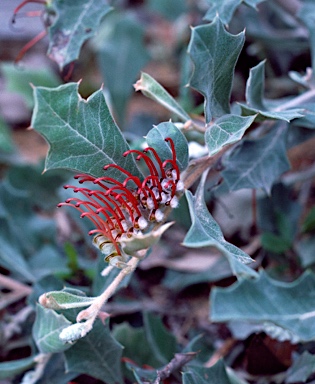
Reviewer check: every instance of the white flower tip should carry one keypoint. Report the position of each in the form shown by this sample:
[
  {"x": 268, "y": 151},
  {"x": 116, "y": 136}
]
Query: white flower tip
[
  {"x": 180, "y": 186},
  {"x": 150, "y": 203},
  {"x": 142, "y": 222},
  {"x": 174, "y": 202},
  {"x": 159, "y": 215}
]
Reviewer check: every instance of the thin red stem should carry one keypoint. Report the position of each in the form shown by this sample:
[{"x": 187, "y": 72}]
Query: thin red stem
[
  {"x": 117, "y": 167},
  {"x": 157, "y": 158},
  {"x": 174, "y": 165},
  {"x": 173, "y": 161},
  {"x": 146, "y": 158},
  {"x": 21, "y": 5},
  {"x": 30, "y": 44}
]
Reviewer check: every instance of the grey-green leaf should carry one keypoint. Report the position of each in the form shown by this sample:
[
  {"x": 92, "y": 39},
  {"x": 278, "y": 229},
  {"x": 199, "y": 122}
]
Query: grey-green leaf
[
  {"x": 11, "y": 368},
  {"x": 64, "y": 300},
  {"x": 161, "y": 341},
  {"x": 204, "y": 232},
  {"x": 6, "y": 141},
  {"x": 214, "y": 53},
  {"x": 19, "y": 80},
  {"x": 255, "y": 86},
  {"x": 226, "y": 130},
  {"x": 286, "y": 115},
  {"x": 156, "y": 138},
  {"x": 257, "y": 163},
  {"x": 301, "y": 369},
  {"x": 76, "y": 22},
  {"x": 199, "y": 375},
  {"x": 255, "y": 103},
  {"x": 264, "y": 300},
  {"x": 226, "y": 8},
  {"x": 82, "y": 133},
  {"x": 306, "y": 13},
  {"x": 154, "y": 90},
  {"x": 121, "y": 54},
  {"x": 97, "y": 355},
  {"x": 46, "y": 330}
]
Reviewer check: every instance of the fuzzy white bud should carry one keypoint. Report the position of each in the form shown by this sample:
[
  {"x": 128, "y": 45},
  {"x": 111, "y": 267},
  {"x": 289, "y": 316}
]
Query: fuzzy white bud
[
  {"x": 142, "y": 222},
  {"x": 150, "y": 203},
  {"x": 159, "y": 215},
  {"x": 174, "y": 202},
  {"x": 180, "y": 186}
]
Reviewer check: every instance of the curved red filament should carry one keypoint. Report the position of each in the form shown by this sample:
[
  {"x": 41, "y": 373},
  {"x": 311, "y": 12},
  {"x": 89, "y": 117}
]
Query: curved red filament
[
  {"x": 157, "y": 158},
  {"x": 146, "y": 158}
]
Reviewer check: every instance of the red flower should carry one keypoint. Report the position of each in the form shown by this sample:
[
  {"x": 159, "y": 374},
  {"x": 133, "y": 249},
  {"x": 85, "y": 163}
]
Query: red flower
[{"x": 121, "y": 210}]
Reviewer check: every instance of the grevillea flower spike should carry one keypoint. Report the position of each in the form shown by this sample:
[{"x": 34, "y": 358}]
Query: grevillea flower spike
[{"x": 127, "y": 215}]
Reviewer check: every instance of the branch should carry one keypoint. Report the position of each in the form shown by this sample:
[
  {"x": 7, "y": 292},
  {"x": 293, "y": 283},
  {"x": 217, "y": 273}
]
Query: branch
[
  {"x": 197, "y": 167},
  {"x": 18, "y": 289},
  {"x": 179, "y": 360}
]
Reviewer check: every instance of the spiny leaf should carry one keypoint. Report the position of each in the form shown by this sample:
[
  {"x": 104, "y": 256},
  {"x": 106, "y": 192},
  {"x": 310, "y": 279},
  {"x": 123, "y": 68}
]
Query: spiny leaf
[
  {"x": 76, "y": 22},
  {"x": 286, "y": 305},
  {"x": 82, "y": 133},
  {"x": 204, "y": 232},
  {"x": 226, "y": 8},
  {"x": 257, "y": 163},
  {"x": 255, "y": 102},
  {"x": 214, "y": 52}
]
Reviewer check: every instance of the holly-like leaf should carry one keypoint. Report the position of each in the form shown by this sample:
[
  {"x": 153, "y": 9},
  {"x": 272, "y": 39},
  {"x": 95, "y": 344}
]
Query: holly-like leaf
[
  {"x": 204, "y": 232},
  {"x": 82, "y": 133},
  {"x": 156, "y": 138},
  {"x": 255, "y": 102},
  {"x": 226, "y": 130},
  {"x": 121, "y": 54},
  {"x": 226, "y": 8},
  {"x": 214, "y": 52},
  {"x": 288, "y": 306},
  {"x": 97, "y": 355},
  {"x": 154, "y": 90},
  {"x": 287, "y": 115},
  {"x": 257, "y": 163},
  {"x": 76, "y": 22},
  {"x": 46, "y": 330}
]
